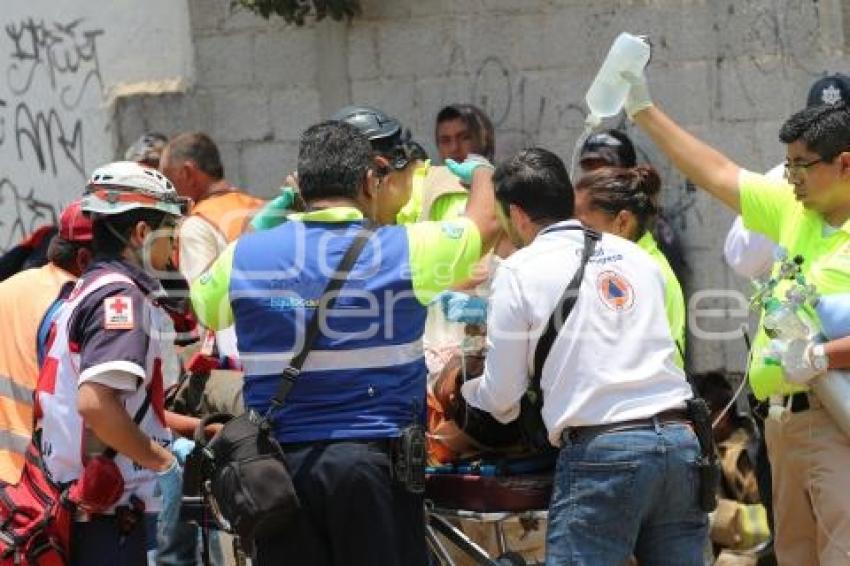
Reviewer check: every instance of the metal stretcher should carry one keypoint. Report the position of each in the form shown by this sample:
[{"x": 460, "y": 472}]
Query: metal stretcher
[
  {"x": 439, "y": 522},
  {"x": 488, "y": 500}
]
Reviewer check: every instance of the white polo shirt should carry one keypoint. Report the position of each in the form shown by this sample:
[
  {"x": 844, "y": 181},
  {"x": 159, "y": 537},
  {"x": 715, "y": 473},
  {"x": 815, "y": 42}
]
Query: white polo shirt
[{"x": 614, "y": 359}]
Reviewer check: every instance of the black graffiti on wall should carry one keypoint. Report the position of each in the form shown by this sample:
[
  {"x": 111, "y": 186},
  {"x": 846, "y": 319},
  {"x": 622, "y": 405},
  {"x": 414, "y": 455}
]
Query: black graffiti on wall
[
  {"x": 51, "y": 67},
  {"x": 65, "y": 52},
  {"x": 45, "y": 133},
  {"x": 21, "y": 213},
  {"x": 516, "y": 107}
]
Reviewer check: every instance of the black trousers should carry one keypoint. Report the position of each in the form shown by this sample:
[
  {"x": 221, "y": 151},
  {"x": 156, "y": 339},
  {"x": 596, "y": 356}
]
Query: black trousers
[
  {"x": 99, "y": 542},
  {"x": 352, "y": 512}
]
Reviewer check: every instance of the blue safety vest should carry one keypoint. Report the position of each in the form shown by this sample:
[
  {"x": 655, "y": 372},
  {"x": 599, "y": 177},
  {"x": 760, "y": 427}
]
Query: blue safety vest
[{"x": 365, "y": 376}]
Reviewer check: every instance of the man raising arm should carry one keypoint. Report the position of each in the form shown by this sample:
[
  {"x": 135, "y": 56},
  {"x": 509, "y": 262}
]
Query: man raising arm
[{"x": 812, "y": 222}]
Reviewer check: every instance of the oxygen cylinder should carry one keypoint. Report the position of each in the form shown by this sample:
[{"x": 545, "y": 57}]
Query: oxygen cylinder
[{"x": 833, "y": 391}]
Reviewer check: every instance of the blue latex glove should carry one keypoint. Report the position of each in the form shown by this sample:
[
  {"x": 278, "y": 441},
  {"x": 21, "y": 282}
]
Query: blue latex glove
[
  {"x": 170, "y": 488},
  {"x": 460, "y": 307},
  {"x": 275, "y": 211},
  {"x": 465, "y": 170},
  {"x": 181, "y": 448}
]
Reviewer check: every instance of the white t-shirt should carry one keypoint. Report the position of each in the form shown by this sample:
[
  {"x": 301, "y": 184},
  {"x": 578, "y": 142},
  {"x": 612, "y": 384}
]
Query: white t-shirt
[
  {"x": 614, "y": 359},
  {"x": 200, "y": 245},
  {"x": 751, "y": 254}
]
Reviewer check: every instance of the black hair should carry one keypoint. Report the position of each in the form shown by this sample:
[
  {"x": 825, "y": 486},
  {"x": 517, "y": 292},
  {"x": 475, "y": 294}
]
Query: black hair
[
  {"x": 197, "y": 147},
  {"x": 824, "y": 129},
  {"x": 63, "y": 253},
  {"x": 477, "y": 123},
  {"x": 112, "y": 232},
  {"x": 613, "y": 189},
  {"x": 714, "y": 388},
  {"x": 333, "y": 159},
  {"x": 536, "y": 180}
]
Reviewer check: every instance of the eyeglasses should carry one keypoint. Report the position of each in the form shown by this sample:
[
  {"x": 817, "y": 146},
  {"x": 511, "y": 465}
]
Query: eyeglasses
[{"x": 797, "y": 169}]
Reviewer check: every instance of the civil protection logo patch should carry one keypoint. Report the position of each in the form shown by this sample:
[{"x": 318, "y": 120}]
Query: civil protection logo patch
[{"x": 615, "y": 291}]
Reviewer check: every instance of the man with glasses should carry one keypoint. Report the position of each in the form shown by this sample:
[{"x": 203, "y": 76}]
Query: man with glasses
[
  {"x": 809, "y": 454},
  {"x": 751, "y": 254}
]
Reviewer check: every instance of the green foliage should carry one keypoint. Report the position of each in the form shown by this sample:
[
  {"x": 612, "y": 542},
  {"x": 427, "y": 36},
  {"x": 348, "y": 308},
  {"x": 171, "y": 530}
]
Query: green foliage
[{"x": 297, "y": 11}]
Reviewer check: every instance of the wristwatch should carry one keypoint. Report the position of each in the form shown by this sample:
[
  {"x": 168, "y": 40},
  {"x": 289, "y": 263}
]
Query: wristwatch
[{"x": 818, "y": 357}]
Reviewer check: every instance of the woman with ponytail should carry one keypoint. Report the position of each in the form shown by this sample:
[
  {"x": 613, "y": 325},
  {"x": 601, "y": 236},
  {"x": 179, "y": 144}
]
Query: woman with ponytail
[{"x": 624, "y": 202}]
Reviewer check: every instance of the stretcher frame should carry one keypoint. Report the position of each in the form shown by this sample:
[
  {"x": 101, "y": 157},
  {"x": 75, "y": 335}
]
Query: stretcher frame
[{"x": 439, "y": 522}]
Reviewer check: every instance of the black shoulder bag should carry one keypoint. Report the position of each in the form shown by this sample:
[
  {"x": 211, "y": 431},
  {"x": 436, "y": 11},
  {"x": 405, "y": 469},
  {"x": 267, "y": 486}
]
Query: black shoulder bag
[
  {"x": 529, "y": 430},
  {"x": 248, "y": 485},
  {"x": 532, "y": 427}
]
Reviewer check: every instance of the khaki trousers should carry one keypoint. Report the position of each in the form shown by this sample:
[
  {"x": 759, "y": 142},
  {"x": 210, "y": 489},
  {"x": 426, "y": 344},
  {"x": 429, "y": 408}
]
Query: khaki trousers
[{"x": 810, "y": 460}]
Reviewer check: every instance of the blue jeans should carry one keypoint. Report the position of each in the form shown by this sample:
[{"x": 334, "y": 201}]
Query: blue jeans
[{"x": 624, "y": 493}]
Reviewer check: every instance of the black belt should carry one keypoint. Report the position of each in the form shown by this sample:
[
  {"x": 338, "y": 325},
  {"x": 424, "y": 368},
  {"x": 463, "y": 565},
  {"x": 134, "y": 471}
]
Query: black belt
[
  {"x": 572, "y": 434},
  {"x": 384, "y": 444},
  {"x": 799, "y": 402}
]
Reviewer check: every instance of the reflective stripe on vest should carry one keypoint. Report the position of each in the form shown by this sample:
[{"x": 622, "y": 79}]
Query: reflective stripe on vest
[
  {"x": 319, "y": 360},
  {"x": 13, "y": 442},
  {"x": 17, "y": 392},
  {"x": 365, "y": 377}
]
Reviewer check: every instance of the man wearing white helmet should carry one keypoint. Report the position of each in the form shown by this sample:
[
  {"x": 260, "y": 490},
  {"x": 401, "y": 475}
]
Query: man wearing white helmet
[{"x": 101, "y": 385}]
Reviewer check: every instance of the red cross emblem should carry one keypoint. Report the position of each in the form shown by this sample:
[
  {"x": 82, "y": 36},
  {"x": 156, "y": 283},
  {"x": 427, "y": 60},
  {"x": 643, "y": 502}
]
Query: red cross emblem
[
  {"x": 118, "y": 313},
  {"x": 118, "y": 305}
]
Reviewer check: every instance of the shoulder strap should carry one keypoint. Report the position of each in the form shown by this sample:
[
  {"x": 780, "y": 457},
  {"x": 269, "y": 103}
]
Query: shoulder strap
[
  {"x": 52, "y": 313},
  {"x": 327, "y": 300},
  {"x": 563, "y": 308}
]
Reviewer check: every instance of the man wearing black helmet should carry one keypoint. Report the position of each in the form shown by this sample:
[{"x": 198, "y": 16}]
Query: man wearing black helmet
[
  {"x": 363, "y": 382},
  {"x": 396, "y": 160},
  {"x": 395, "y": 157}
]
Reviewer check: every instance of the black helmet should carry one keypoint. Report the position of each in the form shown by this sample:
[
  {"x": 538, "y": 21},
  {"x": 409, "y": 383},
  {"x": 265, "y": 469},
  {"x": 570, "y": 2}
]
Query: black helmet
[
  {"x": 612, "y": 147},
  {"x": 385, "y": 134},
  {"x": 373, "y": 123}
]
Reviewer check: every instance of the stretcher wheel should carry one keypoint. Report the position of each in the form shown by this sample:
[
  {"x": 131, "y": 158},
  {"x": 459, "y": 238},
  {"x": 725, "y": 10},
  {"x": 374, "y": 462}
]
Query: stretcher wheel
[{"x": 511, "y": 559}]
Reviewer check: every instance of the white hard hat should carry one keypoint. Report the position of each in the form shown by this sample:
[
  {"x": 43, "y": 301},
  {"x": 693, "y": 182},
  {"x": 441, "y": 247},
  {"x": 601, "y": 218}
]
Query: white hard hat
[{"x": 118, "y": 187}]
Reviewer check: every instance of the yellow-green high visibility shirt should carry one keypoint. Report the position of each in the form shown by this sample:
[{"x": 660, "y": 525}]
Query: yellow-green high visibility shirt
[
  {"x": 440, "y": 255},
  {"x": 769, "y": 207},
  {"x": 445, "y": 207},
  {"x": 674, "y": 299}
]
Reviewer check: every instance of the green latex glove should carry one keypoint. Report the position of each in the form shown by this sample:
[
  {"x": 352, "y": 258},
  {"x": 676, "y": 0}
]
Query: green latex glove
[
  {"x": 275, "y": 211},
  {"x": 465, "y": 170}
]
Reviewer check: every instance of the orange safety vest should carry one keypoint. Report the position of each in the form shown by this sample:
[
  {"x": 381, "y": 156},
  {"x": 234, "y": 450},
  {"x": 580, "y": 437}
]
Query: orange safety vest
[
  {"x": 230, "y": 212},
  {"x": 24, "y": 300}
]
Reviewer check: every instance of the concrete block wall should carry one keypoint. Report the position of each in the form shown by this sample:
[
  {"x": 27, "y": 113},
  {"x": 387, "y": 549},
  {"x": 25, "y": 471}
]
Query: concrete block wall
[{"x": 730, "y": 71}]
